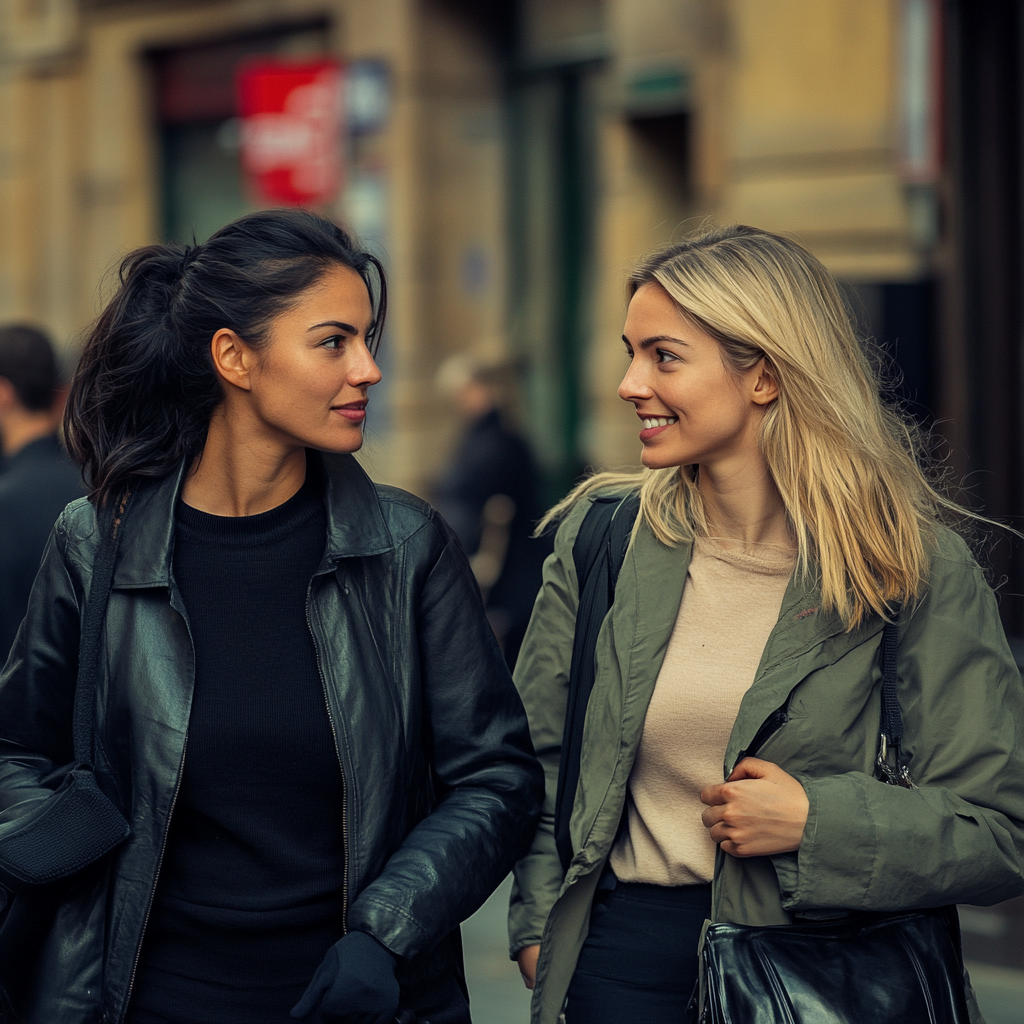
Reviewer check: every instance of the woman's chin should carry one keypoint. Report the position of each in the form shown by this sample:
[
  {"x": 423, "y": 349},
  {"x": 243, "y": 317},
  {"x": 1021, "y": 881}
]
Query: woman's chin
[
  {"x": 651, "y": 459},
  {"x": 335, "y": 445},
  {"x": 344, "y": 449}
]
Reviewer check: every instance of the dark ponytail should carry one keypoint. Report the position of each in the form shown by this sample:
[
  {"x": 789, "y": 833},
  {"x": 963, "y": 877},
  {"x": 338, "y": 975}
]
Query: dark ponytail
[{"x": 145, "y": 387}]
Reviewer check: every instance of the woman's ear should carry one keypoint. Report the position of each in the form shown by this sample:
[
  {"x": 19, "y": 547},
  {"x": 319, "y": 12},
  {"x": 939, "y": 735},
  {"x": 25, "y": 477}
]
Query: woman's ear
[
  {"x": 766, "y": 388},
  {"x": 232, "y": 359}
]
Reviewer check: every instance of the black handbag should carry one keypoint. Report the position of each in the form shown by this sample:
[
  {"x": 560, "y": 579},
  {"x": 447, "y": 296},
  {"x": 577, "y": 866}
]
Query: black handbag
[
  {"x": 78, "y": 823},
  {"x": 868, "y": 968}
]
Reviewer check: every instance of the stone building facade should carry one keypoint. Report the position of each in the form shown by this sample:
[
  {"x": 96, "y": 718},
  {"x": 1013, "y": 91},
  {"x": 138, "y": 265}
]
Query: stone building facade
[{"x": 530, "y": 152}]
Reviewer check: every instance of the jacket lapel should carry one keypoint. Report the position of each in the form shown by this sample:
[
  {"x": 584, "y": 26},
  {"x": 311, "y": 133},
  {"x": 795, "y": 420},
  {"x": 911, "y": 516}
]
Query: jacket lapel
[
  {"x": 803, "y": 640},
  {"x": 647, "y": 596},
  {"x": 647, "y": 600}
]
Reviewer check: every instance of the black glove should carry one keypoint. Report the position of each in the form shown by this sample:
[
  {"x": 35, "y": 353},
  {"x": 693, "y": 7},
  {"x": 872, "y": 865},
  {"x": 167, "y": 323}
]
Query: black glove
[{"x": 355, "y": 984}]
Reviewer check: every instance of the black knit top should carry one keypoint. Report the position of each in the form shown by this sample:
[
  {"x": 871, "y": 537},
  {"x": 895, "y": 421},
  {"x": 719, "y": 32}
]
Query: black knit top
[{"x": 249, "y": 896}]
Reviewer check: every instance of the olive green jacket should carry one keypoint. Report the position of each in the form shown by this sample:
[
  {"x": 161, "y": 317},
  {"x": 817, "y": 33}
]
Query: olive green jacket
[{"x": 959, "y": 838}]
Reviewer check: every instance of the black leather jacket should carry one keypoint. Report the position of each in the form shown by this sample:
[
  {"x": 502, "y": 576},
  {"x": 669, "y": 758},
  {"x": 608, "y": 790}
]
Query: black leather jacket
[{"x": 442, "y": 790}]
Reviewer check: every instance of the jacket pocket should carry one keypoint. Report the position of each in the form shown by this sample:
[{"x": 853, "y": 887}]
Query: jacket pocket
[{"x": 769, "y": 729}]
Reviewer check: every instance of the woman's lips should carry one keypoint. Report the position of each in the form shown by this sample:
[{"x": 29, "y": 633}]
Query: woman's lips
[
  {"x": 648, "y": 433},
  {"x": 655, "y": 428},
  {"x": 355, "y": 413}
]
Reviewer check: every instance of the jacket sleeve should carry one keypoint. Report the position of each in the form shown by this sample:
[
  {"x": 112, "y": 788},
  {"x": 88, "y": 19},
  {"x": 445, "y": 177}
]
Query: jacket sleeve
[
  {"x": 959, "y": 837},
  {"x": 488, "y": 783},
  {"x": 37, "y": 687},
  {"x": 542, "y": 676}
]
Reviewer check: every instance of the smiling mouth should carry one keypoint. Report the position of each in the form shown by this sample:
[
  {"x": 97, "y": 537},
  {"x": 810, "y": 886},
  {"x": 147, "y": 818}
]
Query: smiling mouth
[{"x": 658, "y": 421}]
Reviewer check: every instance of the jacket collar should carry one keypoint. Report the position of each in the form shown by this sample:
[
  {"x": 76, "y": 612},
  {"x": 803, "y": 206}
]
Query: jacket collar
[
  {"x": 355, "y": 522},
  {"x": 356, "y": 527},
  {"x": 803, "y": 639},
  {"x": 661, "y": 574}
]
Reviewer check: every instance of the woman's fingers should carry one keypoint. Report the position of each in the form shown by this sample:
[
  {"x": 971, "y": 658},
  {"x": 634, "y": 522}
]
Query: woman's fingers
[
  {"x": 712, "y": 795},
  {"x": 753, "y": 768},
  {"x": 711, "y": 816},
  {"x": 527, "y": 960},
  {"x": 760, "y": 811}
]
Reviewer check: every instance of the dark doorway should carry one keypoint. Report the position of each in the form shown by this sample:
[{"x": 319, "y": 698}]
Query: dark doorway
[
  {"x": 898, "y": 317},
  {"x": 980, "y": 308},
  {"x": 552, "y": 163}
]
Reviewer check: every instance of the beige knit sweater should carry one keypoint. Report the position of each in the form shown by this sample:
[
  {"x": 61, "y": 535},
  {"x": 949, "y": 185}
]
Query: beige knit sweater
[{"x": 730, "y": 604}]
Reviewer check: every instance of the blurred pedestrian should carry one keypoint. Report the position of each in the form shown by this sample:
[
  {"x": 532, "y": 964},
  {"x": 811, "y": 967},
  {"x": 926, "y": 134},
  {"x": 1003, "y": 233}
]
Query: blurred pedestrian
[
  {"x": 37, "y": 479},
  {"x": 488, "y": 493},
  {"x": 784, "y": 526},
  {"x": 358, "y": 775}
]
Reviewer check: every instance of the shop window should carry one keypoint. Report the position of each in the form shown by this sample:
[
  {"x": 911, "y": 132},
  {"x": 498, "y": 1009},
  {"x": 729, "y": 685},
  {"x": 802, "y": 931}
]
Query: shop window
[{"x": 201, "y": 179}]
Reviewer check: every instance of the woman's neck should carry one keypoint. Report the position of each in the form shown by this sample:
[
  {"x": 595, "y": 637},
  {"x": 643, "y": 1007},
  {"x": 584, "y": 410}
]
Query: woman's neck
[
  {"x": 242, "y": 472},
  {"x": 745, "y": 508}
]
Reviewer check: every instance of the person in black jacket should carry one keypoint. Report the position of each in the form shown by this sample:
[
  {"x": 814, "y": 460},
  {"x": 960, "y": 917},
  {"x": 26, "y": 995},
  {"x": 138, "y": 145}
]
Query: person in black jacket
[
  {"x": 37, "y": 479},
  {"x": 488, "y": 494},
  {"x": 302, "y": 710}
]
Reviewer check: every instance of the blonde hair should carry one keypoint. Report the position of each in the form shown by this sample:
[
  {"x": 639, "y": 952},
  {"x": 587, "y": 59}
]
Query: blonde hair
[{"x": 847, "y": 465}]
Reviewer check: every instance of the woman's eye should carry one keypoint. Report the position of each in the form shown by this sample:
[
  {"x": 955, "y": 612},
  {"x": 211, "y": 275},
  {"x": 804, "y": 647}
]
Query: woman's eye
[
  {"x": 334, "y": 342},
  {"x": 666, "y": 357}
]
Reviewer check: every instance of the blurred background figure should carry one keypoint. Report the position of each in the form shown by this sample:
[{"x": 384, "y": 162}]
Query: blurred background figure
[
  {"x": 488, "y": 493},
  {"x": 37, "y": 479}
]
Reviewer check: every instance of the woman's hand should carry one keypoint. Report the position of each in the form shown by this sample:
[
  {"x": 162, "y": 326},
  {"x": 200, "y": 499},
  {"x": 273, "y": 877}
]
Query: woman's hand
[
  {"x": 761, "y": 810},
  {"x": 355, "y": 983},
  {"x": 527, "y": 960}
]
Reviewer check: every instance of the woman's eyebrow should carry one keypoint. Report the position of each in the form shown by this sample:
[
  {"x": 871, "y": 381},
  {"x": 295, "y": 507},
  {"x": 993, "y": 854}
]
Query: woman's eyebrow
[
  {"x": 347, "y": 328},
  {"x": 648, "y": 342}
]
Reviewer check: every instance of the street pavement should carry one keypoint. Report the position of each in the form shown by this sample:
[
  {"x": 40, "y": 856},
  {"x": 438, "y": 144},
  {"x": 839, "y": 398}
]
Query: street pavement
[
  {"x": 1000, "y": 992},
  {"x": 498, "y": 996}
]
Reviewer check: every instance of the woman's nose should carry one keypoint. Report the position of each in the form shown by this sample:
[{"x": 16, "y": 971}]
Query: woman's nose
[
  {"x": 634, "y": 387},
  {"x": 365, "y": 372}
]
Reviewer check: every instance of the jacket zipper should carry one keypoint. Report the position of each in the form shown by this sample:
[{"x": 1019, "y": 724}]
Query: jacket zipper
[
  {"x": 163, "y": 841},
  {"x": 341, "y": 766},
  {"x": 771, "y": 725},
  {"x": 152, "y": 891}
]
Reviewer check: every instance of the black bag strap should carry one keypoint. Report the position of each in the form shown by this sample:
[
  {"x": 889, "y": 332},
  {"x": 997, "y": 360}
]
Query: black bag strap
[
  {"x": 597, "y": 553},
  {"x": 110, "y": 522},
  {"x": 890, "y": 765}
]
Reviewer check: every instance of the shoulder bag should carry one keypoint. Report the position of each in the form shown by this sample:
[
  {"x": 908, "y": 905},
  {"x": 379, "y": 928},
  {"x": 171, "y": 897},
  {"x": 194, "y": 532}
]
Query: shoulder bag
[
  {"x": 597, "y": 553},
  {"x": 78, "y": 823},
  {"x": 882, "y": 968}
]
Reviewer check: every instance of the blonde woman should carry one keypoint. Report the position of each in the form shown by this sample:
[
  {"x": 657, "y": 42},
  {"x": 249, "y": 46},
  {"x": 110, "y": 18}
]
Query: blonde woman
[{"x": 783, "y": 517}]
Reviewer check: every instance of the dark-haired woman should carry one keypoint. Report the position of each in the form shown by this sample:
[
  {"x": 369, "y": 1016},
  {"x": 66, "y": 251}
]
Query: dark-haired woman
[{"x": 301, "y": 710}]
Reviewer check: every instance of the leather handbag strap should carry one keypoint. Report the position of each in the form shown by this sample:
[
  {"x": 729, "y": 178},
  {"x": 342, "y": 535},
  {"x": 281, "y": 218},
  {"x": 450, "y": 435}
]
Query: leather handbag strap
[
  {"x": 598, "y": 552},
  {"x": 109, "y": 521},
  {"x": 890, "y": 764},
  {"x": 892, "y": 714}
]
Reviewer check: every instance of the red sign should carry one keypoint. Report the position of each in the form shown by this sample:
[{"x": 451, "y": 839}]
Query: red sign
[{"x": 292, "y": 130}]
